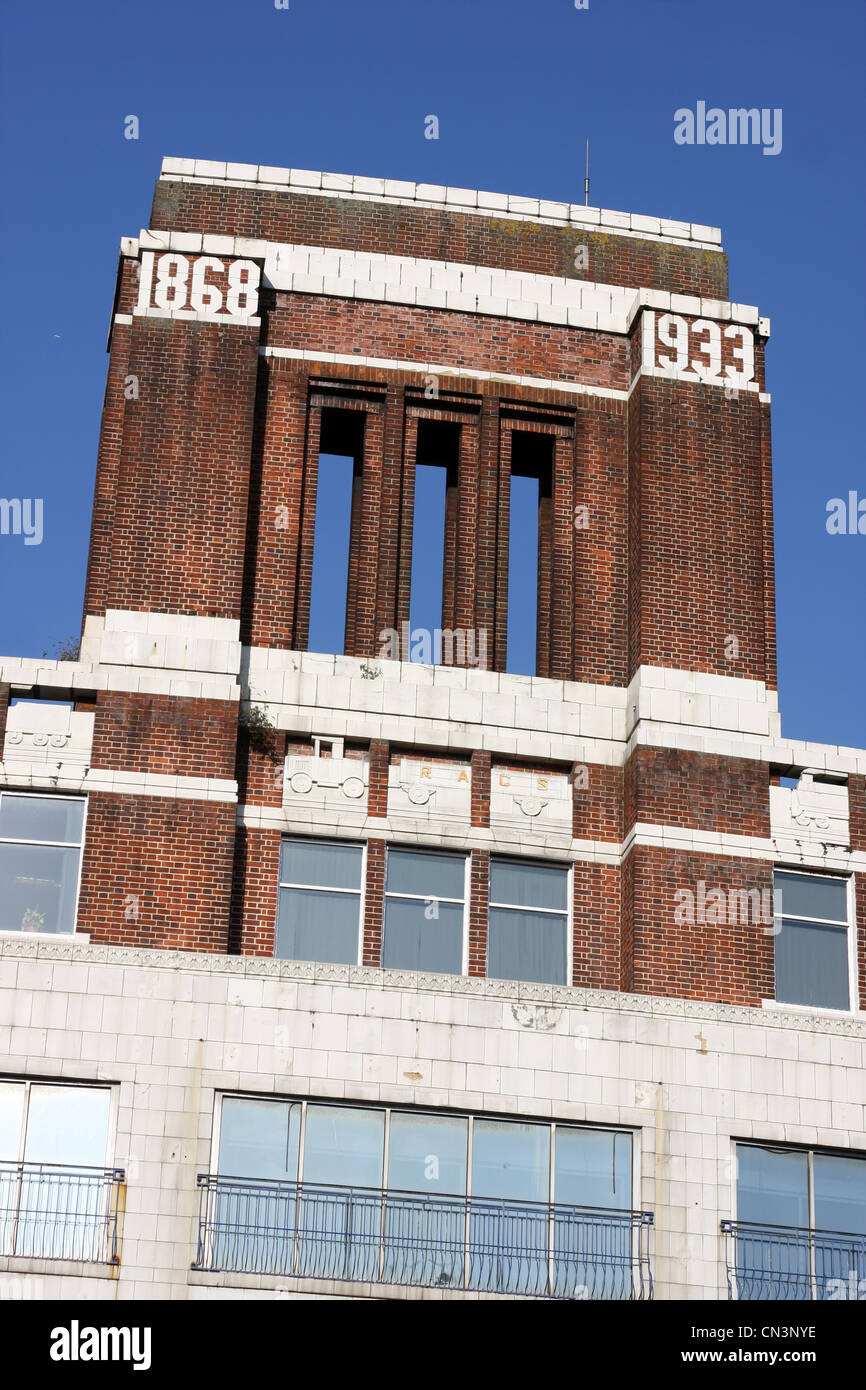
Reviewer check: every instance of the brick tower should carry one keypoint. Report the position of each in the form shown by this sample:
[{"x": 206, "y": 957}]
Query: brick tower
[{"x": 438, "y": 888}]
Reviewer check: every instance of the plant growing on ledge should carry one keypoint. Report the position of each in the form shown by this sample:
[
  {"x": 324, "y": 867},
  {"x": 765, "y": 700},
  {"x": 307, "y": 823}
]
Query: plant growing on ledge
[
  {"x": 258, "y": 726},
  {"x": 68, "y": 650}
]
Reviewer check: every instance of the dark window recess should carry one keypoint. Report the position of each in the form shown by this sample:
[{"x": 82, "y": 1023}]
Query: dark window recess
[
  {"x": 433, "y": 584},
  {"x": 338, "y": 520},
  {"x": 530, "y": 552}
]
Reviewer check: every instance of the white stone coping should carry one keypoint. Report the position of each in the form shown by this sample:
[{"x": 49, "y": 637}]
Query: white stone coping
[
  {"x": 404, "y": 193},
  {"x": 454, "y": 707},
  {"x": 69, "y": 775},
  {"x": 192, "y": 963},
  {"x": 455, "y": 285}
]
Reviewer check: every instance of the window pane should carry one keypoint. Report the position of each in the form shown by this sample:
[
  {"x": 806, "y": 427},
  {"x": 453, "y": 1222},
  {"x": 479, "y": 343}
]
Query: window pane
[
  {"x": 528, "y": 885},
  {"x": 344, "y": 1146},
  {"x": 67, "y": 1124},
  {"x": 427, "y": 875},
  {"x": 259, "y": 1139},
  {"x": 41, "y": 818},
  {"x": 413, "y": 941},
  {"x": 330, "y": 575},
  {"x": 809, "y": 896},
  {"x": 812, "y": 965},
  {"x": 772, "y": 1187},
  {"x": 318, "y": 926},
  {"x": 320, "y": 865},
  {"x": 526, "y": 946},
  {"x": 508, "y": 1242},
  {"x": 424, "y": 1242},
  {"x": 11, "y": 1119},
  {"x": 38, "y": 885},
  {"x": 427, "y": 1153},
  {"x": 510, "y": 1161},
  {"x": 840, "y": 1193},
  {"x": 593, "y": 1168}
]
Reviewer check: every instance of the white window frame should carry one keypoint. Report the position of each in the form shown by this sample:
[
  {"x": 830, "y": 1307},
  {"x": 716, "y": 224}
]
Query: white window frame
[
  {"x": 551, "y": 1124},
  {"x": 811, "y": 1153},
  {"x": 568, "y": 865},
  {"x": 439, "y": 898},
  {"x": 59, "y": 844},
  {"x": 28, "y": 1082},
  {"x": 361, "y": 890},
  {"x": 853, "y": 1006}
]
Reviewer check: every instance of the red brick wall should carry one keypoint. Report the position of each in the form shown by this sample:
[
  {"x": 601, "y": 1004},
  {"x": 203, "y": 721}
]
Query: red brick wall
[
  {"x": 118, "y": 385},
  {"x": 479, "y": 883},
  {"x": 176, "y": 530},
  {"x": 857, "y": 812},
  {"x": 480, "y": 789},
  {"x": 319, "y": 323},
  {"x": 726, "y": 962},
  {"x": 860, "y": 895},
  {"x": 165, "y": 734},
  {"x": 698, "y": 528},
  {"x": 4, "y": 709},
  {"x": 598, "y": 946},
  {"x": 438, "y": 234},
  {"x": 255, "y": 889},
  {"x": 598, "y": 805},
  {"x": 374, "y": 903},
  {"x": 377, "y": 791},
  {"x": 157, "y": 872},
  {"x": 672, "y": 786}
]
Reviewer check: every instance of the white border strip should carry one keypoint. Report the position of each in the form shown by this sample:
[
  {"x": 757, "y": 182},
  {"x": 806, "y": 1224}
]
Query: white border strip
[{"x": 403, "y": 193}]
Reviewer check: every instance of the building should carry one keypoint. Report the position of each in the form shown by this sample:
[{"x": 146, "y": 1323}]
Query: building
[{"x": 356, "y": 975}]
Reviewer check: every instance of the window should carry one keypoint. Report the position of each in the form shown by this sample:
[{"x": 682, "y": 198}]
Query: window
[
  {"x": 436, "y": 474},
  {"x": 812, "y": 940},
  {"x": 319, "y": 911},
  {"x": 800, "y": 1231},
  {"x": 40, "y": 862},
  {"x": 424, "y": 911},
  {"x": 57, "y": 1199},
  {"x": 530, "y": 551},
  {"x": 527, "y": 931},
  {"x": 339, "y": 482},
  {"x": 415, "y": 1197}
]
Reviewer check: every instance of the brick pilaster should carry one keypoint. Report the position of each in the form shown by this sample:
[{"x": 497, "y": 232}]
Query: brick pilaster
[
  {"x": 374, "y": 902},
  {"x": 479, "y": 879},
  {"x": 480, "y": 789}
]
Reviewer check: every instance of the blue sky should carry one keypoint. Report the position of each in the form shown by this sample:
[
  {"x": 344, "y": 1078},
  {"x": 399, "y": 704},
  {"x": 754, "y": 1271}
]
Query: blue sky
[{"x": 329, "y": 84}]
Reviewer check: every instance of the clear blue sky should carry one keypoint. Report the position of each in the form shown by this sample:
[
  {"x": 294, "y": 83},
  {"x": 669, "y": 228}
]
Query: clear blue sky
[{"x": 345, "y": 86}]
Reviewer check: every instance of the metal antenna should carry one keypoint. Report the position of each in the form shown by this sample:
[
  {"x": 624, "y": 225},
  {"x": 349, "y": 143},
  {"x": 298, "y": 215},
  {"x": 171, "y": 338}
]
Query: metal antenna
[{"x": 586, "y": 179}]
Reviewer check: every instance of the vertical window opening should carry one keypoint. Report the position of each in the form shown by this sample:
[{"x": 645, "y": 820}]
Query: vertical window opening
[
  {"x": 435, "y": 475},
  {"x": 529, "y": 550},
  {"x": 338, "y": 494}
]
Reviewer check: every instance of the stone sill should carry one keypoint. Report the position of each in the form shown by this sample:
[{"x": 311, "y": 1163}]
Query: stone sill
[
  {"x": 32, "y": 1264},
  {"x": 346, "y": 1288}
]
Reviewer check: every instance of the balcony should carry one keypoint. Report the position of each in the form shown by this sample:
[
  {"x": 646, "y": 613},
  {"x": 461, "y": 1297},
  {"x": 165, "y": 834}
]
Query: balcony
[
  {"x": 50, "y": 1211},
  {"x": 784, "y": 1262},
  {"x": 469, "y": 1244}
]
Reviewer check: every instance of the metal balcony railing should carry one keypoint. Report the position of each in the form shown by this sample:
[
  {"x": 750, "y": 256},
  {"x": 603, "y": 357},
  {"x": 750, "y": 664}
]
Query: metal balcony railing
[
  {"x": 53, "y": 1211},
  {"x": 787, "y": 1262},
  {"x": 314, "y": 1231}
]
